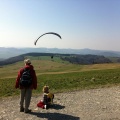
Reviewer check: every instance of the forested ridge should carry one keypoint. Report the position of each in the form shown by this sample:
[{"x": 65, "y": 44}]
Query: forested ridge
[{"x": 72, "y": 58}]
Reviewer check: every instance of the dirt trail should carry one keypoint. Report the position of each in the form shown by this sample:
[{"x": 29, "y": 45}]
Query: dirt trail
[{"x": 94, "y": 104}]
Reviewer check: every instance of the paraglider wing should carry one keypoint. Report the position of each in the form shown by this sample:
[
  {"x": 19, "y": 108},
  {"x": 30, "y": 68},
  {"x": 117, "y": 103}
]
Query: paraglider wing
[{"x": 48, "y": 33}]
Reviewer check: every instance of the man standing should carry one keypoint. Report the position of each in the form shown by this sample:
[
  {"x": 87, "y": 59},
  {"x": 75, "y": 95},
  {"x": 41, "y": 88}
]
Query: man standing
[{"x": 25, "y": 74}]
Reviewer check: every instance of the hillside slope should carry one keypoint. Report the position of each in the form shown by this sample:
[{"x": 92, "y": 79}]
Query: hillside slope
[{"x": 72, "y": 58}]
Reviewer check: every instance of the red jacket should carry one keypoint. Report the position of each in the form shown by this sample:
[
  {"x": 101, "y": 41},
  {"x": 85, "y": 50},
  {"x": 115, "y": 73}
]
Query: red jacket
[{"x": 34, "y": 84}]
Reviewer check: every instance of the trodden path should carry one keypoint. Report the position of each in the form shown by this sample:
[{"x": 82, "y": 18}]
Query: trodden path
[{"x": 94, "y": 104}]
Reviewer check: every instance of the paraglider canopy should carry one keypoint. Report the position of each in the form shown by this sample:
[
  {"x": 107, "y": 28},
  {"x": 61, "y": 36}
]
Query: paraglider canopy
[{"x": 48, "y": 33}]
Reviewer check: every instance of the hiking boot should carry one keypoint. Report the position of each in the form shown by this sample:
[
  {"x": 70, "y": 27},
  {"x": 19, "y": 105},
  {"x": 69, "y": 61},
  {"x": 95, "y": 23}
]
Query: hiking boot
[
  {"x": 27, "y": 111},
  {"x": 21, "y": 109}
]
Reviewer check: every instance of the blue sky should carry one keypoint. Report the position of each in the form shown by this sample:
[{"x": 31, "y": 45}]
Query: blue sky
[{"x": 93, "y": 24}]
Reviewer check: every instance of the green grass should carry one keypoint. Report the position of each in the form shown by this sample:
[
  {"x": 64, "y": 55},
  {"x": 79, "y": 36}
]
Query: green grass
[
  {"x": 79, "y": 80},
  {"x": 61, "y": 76}
]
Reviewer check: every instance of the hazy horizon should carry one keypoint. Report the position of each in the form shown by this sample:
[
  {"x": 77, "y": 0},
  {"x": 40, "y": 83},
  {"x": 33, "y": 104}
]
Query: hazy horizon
[{"x": 61, "y": 48}]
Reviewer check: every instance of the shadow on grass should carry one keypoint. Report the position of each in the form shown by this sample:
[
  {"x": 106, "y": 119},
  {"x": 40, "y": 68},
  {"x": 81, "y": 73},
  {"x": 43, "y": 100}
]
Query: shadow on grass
[{"x": 55, "y": 116}]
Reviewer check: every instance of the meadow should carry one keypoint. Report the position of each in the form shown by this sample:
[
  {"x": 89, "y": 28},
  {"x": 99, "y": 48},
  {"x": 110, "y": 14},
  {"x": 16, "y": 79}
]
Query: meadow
[{"x": 60, "y": 75}]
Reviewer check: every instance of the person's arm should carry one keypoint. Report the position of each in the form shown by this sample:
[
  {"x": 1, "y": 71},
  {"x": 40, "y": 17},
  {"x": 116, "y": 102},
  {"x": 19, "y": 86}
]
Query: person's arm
[{"x": 18, "y": 79}]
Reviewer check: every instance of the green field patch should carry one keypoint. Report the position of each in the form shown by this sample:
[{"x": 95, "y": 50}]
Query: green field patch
[
  {"x": 61, "y": 76},
  {"x": 67, "y": 81}
]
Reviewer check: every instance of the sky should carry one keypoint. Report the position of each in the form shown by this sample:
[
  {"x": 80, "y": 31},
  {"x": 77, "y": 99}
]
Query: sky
[{"x": 93, "y": 24}]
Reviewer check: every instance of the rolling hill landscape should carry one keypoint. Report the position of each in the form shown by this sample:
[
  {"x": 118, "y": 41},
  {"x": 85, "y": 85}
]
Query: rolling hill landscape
[
  {"x": 11, "y": 52},
  {"x": 81, "y": 56},
  {"x": 77, "y": 78},
  {"x": 73, "y": 46},
  {"x": 72, "y": 58}
]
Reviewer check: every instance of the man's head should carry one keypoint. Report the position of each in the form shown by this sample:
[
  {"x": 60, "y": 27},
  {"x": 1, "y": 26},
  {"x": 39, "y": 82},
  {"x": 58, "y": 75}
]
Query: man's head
[{"x": 27, "y": 61}]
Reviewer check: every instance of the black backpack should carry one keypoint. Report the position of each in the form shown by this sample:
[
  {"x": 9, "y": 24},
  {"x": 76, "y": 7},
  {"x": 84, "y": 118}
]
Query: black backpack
[{"x": 26, "y": 78}]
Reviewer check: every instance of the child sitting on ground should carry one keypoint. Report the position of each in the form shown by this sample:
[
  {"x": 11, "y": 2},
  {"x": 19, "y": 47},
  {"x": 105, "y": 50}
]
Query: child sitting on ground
[{"x": 47, "y": 98}]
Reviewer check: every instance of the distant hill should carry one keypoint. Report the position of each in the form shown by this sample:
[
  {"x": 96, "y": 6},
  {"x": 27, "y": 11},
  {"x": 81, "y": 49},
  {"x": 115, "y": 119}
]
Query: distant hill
[
  {"x": 12, "y": 52},
  {"x": 72, "y": 58}
]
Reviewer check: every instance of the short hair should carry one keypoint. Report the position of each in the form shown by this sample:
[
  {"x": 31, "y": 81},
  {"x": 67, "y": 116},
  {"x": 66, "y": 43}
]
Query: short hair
[{"x": 27, "y": 61}]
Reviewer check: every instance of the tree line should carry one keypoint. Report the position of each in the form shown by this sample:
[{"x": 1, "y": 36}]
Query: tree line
[{"x": 86, "y": 59}]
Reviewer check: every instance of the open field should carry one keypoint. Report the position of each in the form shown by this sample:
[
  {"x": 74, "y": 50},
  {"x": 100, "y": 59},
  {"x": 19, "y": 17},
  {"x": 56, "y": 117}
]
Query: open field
[
  {"x": 61, "y": 76},
  {"x": 73, "y": 85}
]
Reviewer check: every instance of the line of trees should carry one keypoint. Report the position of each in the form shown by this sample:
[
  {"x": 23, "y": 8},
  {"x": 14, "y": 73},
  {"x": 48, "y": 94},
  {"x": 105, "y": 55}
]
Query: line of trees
[{"x": 86, "y": 59}]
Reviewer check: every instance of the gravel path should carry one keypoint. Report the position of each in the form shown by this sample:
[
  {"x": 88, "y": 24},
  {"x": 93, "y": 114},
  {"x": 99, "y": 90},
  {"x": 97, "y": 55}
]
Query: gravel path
[{"x": 94, "y": 104}]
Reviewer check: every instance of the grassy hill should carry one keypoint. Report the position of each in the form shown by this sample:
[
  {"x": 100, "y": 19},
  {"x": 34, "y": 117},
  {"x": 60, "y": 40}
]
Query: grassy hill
[
  {"x": 72, "y": 58},
  {"x": 61, "y": 75}
]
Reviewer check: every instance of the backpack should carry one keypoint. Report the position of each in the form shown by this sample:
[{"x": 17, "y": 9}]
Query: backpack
[
  {"x": 26, "y": 78},
  {"x": 49, "y": 97}
]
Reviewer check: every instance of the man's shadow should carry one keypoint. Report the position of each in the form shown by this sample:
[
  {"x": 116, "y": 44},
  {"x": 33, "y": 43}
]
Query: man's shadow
[{"x": 55, "y": 116}]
